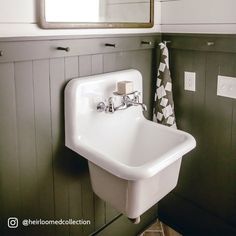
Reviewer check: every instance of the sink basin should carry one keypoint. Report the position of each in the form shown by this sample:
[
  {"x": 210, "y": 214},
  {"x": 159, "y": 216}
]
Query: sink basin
[{"x": 133, "y": 162}]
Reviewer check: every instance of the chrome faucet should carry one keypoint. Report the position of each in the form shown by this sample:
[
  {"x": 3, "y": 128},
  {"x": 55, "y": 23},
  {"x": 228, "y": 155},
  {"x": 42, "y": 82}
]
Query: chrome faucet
[
  {"x": 110, "y": 107},
  {"x": 127, "y": 100},
  {"x": 135, "y": 101}
]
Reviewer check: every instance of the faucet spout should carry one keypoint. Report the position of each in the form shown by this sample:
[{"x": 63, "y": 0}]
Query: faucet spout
[
  {"x": 144, "y": 107},
  {"x": 126, "y": 102},
  {"x": 123, "y": 106}
]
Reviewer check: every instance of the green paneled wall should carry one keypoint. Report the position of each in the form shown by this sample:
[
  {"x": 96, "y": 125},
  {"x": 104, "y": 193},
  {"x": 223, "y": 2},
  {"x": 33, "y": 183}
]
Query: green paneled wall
[
  {"x": 204, "y": 201},
  {"x": 40, "y": 177}
]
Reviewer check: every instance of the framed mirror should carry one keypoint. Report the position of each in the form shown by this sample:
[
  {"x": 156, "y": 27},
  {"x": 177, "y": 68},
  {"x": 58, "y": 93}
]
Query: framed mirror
[{"x": 61, "y": 14}]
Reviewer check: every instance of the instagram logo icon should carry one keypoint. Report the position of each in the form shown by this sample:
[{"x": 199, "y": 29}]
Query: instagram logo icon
[{"x": 12, "y": 222}]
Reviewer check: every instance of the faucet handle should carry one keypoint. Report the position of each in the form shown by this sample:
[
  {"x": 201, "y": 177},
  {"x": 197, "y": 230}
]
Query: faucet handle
[
  {"x": 137, "y": 95},
  {"x": 110, "y": 108},
  {"x": 101, "y": 106},
  {"x": 111, "y": 99}
]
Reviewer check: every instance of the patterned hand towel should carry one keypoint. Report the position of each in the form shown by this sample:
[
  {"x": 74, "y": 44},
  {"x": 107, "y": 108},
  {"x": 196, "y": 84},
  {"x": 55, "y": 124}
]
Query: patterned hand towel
[{"x": 163, "y": 111}]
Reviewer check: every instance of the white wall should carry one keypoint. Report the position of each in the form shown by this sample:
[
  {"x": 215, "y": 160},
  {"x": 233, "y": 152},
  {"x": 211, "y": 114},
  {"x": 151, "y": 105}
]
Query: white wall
[
  {"x": 199, "y": 16},
  {"x": 18, "y": 18}
]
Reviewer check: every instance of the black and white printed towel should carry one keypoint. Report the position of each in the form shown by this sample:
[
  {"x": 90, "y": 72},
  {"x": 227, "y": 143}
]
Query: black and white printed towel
[{"x": 163, "y": 111}]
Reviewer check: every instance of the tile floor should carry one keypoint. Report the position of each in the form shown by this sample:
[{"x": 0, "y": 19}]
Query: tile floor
[{"x": 159, "y": 229}]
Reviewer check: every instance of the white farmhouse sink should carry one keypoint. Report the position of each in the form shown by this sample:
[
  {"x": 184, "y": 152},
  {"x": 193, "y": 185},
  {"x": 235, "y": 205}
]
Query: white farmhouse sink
[{"x": 133, "y": 162}]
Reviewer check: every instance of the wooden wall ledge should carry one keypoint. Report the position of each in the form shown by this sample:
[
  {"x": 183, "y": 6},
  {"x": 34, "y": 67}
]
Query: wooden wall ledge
[
  {"x": 199, "y": 42},
  {"x": 31, "y": 50}
]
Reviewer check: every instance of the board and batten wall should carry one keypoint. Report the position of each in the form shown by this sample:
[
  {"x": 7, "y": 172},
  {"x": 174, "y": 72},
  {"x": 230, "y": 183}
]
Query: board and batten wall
[
  {"x": 203, "y": 203},
  {"x": 19, "y": 19},
  {"x": 40, "y": 177},
  {"x": 201, "y": 16}
]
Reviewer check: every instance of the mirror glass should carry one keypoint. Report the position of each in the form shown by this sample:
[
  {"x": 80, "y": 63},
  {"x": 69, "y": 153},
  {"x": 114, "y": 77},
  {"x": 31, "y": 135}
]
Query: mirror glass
[{"x": 96, "y": 13}]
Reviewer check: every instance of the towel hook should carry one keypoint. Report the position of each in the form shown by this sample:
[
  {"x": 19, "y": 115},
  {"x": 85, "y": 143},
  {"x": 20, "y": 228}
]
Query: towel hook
[
  {"x": 210, "y": 43},
  {"x": 166, "y": 42},
  {"x": 110, "y": 45},
  {"x": 67, "y": 49},
  {"x": 146, "y": 42}
]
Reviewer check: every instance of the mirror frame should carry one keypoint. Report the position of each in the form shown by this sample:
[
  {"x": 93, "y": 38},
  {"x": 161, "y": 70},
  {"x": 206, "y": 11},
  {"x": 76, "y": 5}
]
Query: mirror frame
[{"x": 92, "y": 25}]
